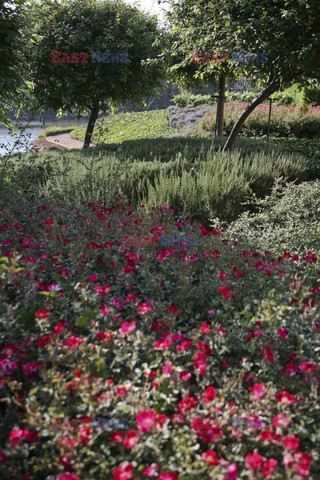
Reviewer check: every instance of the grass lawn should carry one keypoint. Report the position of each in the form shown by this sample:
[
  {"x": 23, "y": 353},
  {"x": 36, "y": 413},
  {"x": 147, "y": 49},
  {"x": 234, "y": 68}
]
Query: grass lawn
[{"x": 128, "y": 126}]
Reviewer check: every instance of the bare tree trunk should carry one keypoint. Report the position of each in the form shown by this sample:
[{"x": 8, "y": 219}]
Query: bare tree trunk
[
  {"x": 94, "y": 112},
  {"x": 269, "y": 90},
  {"x": 220, "y": 105}
]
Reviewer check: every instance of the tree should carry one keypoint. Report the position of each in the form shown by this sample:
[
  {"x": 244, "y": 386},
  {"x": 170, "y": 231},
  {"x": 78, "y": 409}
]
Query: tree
[
  {"x": 12, "y": 60},
  {"x": 86, "y": 27},
  {"x": 287, "y": 30},
  {"x": 196, "y": 27}
]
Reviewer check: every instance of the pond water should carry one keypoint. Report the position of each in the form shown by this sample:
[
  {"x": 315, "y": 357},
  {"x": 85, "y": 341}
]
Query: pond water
[
  {"x": 10, "y": 143},
  {"x": 21, "y": 141}
]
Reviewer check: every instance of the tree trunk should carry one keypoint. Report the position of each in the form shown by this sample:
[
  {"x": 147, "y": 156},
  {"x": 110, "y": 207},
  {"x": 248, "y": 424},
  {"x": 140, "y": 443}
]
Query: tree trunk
[
  {"x": 94, "y": 112},
  {"x": 220, "y": 105},
  {"x": 269, "y": 90}
]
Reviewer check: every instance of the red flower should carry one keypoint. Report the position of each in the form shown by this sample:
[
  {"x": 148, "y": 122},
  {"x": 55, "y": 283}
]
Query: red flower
[
  {"x": 59, "y": 327},
  {"x": 210, "y": 457},
  {"x": 280, "y": 421},
  {"x": 146, "y": 420},
  {"x": 292, "y": 443},
  {"x": 303, "y": 461},
  {"x": 258, "y": 390},
  {"x": 116, "y": 437},
  {"x": 267, "y": 353},
  {"x": 224, "y": 290},
  {"x": 284, "y": 397},
  {"x": 144, "y": 307},
  {"x": 173, "y": 309},
  {"x": 127, "y": 327},
  {"x": 121, "y": 392},
  {"x": 17, "y": 435},
  {"x": 268, "y": 467},
  {"x": 42, "y": 314},
  {"x": 124, "y": 472},
  {"x": 187, "y": 404},
  {"x": 307, "y": 367},
  {"x": 131, "y": 439},
  {"x": 151, "y": 471},
  {"x": 205, "y": 328},
  {"x": 283, "y": 333},
  {"x": 68, "y": 476},
  {"x": 73, "y": 342},
  {"x": 254, "y": 461},
  {"x": 168, "y": 476},
  {"x": 210, "y": 394}
]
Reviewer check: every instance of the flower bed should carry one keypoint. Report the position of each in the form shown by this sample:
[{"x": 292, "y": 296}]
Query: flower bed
[{"x": 174, "y": 340}]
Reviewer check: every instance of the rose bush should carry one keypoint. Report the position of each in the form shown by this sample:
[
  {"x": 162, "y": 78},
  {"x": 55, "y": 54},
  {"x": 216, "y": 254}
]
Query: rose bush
[{"x": 169, "y": 338}]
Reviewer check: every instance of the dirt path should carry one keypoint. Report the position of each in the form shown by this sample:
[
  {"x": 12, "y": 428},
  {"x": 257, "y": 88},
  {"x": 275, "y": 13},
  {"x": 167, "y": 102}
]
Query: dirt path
[{"x": 61, "y": 141}]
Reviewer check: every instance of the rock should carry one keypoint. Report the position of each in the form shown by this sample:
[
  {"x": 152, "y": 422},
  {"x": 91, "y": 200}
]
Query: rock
[{"x": 184, "y": 117}]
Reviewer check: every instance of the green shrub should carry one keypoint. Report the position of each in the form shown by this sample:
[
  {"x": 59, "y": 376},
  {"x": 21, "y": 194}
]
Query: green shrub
[
  {"x": 192, "y": 99},
  {"x": 284, "y": 121},
  {"x": 211, "y": 184},
  {"x": 287, "y": 220}
]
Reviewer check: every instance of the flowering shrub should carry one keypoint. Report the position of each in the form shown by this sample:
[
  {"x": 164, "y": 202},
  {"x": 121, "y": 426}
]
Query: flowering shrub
[
  {"x": 167, "y": 339},
  {"x": 285, "y": 120}
]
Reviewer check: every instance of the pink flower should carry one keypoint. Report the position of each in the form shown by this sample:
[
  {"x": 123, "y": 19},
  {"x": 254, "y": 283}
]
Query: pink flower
[
  {"x": 168, "y": 476},
  {"x": 151, "y": 471},
  {"x": 167, "y": 369},
  {"x": 124, "y": 472},
  {"x": 232, "y": 471},
  {"x": 104, "y": 310},
  {"x": 131, "y": 439},
  {"x": 144, "y": 307},
  {"x": 31, "y": 367},
  {"x": 210, "y": 457},
  {"x": 307, "y": 367},
  {"x": 257, "y": 390},
  {"x": 117, "y": 303},
  {"x": 7, "y": 367},
  {"x": 280, "y": 421},
  {"x": 302, "y": 461},
  {"x": 127, "y": 327},
  {"x": 254, "y": 461},
  {"x": 291, "y": 442},
  {"x": 185, "y": 376},
  {"x": 17, "y": 435},
  {"x": 68, "y": 476},
  {"x": 146, "y": 420},
  {"x": 93, "y": 278}
]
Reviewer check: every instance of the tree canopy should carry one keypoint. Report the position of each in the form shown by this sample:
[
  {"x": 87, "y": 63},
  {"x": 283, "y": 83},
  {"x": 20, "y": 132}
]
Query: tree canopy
[{"x": 82, "y": 26}]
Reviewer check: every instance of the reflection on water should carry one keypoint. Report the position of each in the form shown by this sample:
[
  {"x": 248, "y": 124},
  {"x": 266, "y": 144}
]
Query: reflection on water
[{"x": 21, "y": 141}]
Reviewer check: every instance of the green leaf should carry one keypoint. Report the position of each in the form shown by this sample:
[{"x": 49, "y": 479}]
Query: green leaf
[{"x": 83, "y": 321}]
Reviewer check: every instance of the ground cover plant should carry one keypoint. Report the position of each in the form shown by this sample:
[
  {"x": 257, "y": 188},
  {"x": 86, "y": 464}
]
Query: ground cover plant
[
  {"x": 128, "y": 126},
  {"x": 171, "y": 339}
]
